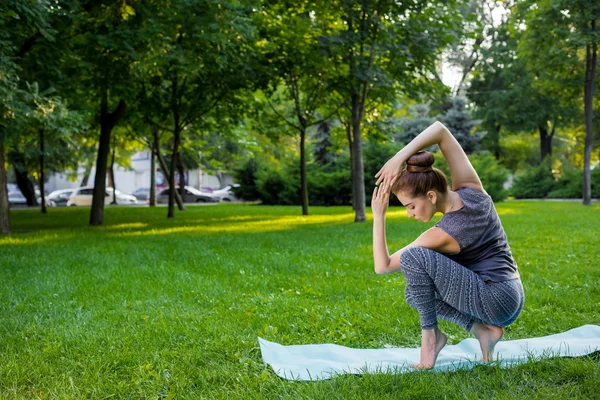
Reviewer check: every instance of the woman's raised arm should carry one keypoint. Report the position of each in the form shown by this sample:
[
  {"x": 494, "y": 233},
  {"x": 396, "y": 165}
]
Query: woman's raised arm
[{"x": 463, "y": 173}]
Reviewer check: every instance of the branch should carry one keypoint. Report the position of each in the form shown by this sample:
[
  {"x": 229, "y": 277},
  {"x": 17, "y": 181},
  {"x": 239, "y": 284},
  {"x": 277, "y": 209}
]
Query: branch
[
  {"x": 191, "y": 116},
  {"x": 309, "y": 102},
  {"x": 327, "y": 117},
  {"x": 28, "y": 44},
  {"x": 281, "y": 116},
  {"x": 151, "y": 122},
  {"x": 296, "y": 95}
]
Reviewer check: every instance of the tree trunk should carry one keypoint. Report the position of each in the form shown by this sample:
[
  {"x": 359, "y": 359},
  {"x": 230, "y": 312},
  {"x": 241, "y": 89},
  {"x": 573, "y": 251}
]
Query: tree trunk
[
  {"x": 181, "y": 173},
  {"x": 111, "y": 171},
  {"x": 4, "y": 205},
  {"x": 348, "y": 128},
  {"x": 152, "y": 198},
  {"x": 17, "y": 160},
  {"x": 221, "y": 177},
  {"x": 590, "y": 75},
  {"x": 176, "y": 138},
  {"x": 86, "y": 174},
  {"x": 163, "y": 166},
  {"x": 358, "y": 171},
  {"x": 545, "y": 141},
  {"x": 303, "y": 182},
  {"x": 497, "y": 142},
  {"x": 172, "y": 187},
  {"x": 107, "y": 123},
  {"x": 41, "y": 184}
]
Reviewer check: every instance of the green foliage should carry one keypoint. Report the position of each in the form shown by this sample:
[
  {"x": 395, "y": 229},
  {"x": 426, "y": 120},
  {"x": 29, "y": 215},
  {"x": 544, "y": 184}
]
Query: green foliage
[
  {"x": 595, "y": 175},
  {"x": 534, "y": 183},
  {"x": 459, "y": 121},
  {"x": 245, "y": 175},
  {"x": 322, "y": 145},
  {"x": 492, "y": 174},
  {"x": 328, "y": 185},
  {"x": 330, "y": 188},
  {"x": 417, "y": 121},
  {"x": 519, "y": 151},
  {"x": 375, "y": 156},
  {"x": 280, "y": 186},
  {"x": 569, "y": 185}
]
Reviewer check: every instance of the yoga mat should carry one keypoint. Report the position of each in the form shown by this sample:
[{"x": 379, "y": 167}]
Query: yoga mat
[{"x": 323, "y": 361}]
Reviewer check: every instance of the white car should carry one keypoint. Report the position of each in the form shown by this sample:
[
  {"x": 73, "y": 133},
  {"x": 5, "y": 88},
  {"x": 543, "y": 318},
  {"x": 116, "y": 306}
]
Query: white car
[
  {"x": 83, "y": 197},
  {"x": 16, "y": 199},
  {"x": 226, "y": 194},
  {"x": 60, "y": 197}
]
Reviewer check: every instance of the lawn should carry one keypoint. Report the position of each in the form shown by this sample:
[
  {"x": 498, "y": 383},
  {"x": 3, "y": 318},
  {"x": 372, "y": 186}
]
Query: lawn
[{"x": 145, "y": 307}]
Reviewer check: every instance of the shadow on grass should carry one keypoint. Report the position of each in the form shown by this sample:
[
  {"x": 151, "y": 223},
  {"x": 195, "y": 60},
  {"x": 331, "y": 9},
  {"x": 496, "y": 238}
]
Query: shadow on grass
[{"x": 65, "y": 225}]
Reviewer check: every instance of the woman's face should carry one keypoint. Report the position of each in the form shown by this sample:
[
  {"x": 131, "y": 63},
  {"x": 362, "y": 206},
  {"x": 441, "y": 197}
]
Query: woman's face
[{"x": 421, "y": 208}]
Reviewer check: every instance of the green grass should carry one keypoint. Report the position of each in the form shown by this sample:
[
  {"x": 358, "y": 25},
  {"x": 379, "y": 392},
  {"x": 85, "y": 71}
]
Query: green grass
[{"x": 145, "y": 307}]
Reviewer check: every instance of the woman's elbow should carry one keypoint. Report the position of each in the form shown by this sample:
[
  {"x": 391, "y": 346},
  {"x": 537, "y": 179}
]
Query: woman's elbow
[{"x": 380, "y": 270}]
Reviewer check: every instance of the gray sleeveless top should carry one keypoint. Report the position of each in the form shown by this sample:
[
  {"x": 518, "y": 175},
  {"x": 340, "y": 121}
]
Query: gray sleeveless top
[{"x": 478, "y": 231}]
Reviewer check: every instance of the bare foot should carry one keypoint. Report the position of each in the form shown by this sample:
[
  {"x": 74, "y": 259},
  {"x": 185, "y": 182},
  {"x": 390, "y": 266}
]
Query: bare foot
[
  {"x": 432, "y": 342},
  {"x": 488, "y": 336}
]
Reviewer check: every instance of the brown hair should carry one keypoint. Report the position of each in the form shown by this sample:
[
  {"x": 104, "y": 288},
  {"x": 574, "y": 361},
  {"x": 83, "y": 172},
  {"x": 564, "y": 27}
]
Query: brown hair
[{"x": 419, "y": 177}]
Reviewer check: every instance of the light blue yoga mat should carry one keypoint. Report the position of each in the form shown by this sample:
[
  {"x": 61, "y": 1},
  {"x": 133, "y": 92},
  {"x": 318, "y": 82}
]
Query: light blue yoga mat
[{"x": 323, "y": 361}]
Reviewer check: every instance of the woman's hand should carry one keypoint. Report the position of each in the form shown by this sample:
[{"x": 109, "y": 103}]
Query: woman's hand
[
  {"x": 380, "y": 201},
  {"x": 389, "y": 173}
]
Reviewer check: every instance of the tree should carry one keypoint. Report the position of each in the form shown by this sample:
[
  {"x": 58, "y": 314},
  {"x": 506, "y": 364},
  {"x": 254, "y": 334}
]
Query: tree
[
  {"x": 459, "y": 121},
  {"x": 380, "y": 48},
  {"x": 198, "y": 60},
  {"x": 104, "y": 41},
  {"x": 572, "y": 24},
  {"x": 296, "y": 60},
  {"x": 509, "y": 95},
  {"x": 409, "y": 127},
  {"x": 21, "y": 24},
  {"x": 47, "y": 135},
  {"x": 322, "y": 144}
]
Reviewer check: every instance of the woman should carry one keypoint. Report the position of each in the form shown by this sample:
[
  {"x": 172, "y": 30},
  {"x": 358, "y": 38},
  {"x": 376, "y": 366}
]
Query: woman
[{"x": 462, "y": 269}]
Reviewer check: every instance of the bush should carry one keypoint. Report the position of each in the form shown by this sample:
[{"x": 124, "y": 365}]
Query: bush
[
  {"x": 375, "y": 155},
  {"x": 534, "y": 183},
  {"x": 245, "y": 175},
  {"x": 569, "y": 185},
  {"x": 519, "y": 152},
  {"x": 329, "y": 188},
  {"x": 279, "y": 186},
  {"x": 596, "y": 183},
  {"x": 491, "y": 173}
]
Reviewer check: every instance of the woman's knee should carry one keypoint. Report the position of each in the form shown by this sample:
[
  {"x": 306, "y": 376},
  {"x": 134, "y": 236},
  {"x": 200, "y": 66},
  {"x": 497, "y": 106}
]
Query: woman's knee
[{"x": 415, "y": 257}]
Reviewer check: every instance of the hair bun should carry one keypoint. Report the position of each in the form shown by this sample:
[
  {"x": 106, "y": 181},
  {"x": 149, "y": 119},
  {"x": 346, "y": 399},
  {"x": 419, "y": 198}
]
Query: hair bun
[{"x": 420, "y": 162}]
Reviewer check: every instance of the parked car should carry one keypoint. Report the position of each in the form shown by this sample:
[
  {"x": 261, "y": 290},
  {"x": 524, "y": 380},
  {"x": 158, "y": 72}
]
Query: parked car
[
  {"x": 192, "y": 195},
  {"x": 83, "y": 197},
  {"x": 122, "y": 198},
  {"x": 60, "y": 197},
  {"x": 226, "y": 194},
  {"x": 16, "y": 199},
  {"x": 142, "y": 194}
]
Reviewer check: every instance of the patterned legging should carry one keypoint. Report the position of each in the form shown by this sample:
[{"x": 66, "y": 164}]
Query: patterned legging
[{"x": 438, "y": 287}]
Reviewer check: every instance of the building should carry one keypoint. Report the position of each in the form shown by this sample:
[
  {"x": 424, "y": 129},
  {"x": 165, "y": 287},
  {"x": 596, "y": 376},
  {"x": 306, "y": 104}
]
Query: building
[{"x": 128, "y": 180}]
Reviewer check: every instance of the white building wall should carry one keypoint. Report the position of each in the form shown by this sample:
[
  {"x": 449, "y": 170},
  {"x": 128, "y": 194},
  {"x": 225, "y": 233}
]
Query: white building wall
[{"x": 137, "y": 177}]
